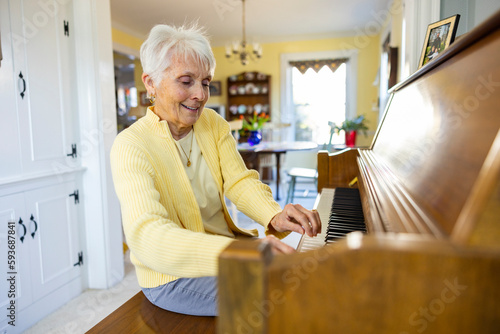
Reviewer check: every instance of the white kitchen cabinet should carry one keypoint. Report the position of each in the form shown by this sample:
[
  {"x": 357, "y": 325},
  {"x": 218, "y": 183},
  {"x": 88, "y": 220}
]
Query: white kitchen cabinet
[
  {"x": 39, "y": 88},
  {"x": 40, "y": 162},
  {"x": 12, "y": 209},
  {"x": 9, "y": 133},
  {"x": 51, "y": 214},
  {"x": 48, "y": 255}
]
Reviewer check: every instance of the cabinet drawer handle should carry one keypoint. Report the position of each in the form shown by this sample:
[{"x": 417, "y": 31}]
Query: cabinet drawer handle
[
  {"x": 36, "y": 227},
  {"x": 24, "y": 228},
  {"x": 21, "y": 79}
]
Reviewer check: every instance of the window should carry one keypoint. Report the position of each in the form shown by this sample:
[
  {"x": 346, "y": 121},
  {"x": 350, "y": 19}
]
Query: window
[
  {"x": 319, "y": 100},
  {"x": 309, "y": 101}
]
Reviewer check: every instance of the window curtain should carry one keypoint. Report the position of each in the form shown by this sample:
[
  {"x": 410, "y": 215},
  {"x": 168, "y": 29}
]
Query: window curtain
[{"x": 316, "y": 65}]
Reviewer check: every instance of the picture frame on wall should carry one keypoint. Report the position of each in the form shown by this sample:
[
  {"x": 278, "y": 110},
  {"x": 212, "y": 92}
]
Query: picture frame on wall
[
  {"x": 215, "y": 88},
  {"x": 439, "y": 36}
]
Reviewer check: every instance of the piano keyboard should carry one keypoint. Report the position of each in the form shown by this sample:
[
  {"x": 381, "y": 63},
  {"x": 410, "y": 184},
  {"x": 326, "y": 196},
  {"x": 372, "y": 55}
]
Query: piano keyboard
[{"x": 340, "y": 212}]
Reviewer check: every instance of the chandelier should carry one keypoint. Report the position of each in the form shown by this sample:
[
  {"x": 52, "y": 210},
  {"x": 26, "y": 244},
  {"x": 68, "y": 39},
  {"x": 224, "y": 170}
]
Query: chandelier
[{"x": 241, "y": 50}]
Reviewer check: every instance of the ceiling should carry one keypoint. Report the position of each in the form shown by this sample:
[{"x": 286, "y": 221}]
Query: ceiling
[{"x": 266, "y": 20}]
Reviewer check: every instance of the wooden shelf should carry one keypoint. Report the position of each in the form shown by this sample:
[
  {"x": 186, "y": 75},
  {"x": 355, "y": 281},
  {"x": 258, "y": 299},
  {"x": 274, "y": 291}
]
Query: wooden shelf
[{"x": 248, "y": 92}]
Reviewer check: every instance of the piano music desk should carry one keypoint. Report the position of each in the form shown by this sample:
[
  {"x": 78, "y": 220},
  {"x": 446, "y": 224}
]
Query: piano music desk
[{"x": 138, "y": 315}]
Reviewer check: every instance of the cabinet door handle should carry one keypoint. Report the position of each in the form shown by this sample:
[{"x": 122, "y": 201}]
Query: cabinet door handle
[
  {"x": 66, "y": 28},
  {"x": 73, "y": 151},
  {"x": 21, "y": 79},
  {"x": 24, "y": 228},
  {"x": 36, "y": 226},
  {"x": 80, "y": 260}
]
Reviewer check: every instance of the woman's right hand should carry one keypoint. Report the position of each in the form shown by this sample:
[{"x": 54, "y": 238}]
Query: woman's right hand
[{"x": 277, "y": 246}]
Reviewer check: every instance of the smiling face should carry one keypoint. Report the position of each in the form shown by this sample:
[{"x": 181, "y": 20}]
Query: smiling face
[{"x": 181, "y": 95}]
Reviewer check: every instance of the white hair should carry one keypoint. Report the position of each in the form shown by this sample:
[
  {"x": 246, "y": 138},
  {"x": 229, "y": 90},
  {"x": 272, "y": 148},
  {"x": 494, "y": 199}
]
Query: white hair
[{"x": 164, "y": 41}]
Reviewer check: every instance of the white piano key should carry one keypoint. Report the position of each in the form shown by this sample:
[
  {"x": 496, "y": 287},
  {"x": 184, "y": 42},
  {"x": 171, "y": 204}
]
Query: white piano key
[{"x": 323, "y": 205}]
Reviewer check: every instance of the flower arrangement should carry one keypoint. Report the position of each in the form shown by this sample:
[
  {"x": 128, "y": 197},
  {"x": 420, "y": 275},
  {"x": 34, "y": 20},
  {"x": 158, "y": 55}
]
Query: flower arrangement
[{"x": 256, "y": 122}]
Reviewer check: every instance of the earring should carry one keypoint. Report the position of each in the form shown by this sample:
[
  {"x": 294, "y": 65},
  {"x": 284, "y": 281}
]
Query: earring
[{"x": 152, "y": 99}]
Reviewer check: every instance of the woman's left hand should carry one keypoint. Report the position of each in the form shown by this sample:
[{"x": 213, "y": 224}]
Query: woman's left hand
[{"x": 295, "y": 217}]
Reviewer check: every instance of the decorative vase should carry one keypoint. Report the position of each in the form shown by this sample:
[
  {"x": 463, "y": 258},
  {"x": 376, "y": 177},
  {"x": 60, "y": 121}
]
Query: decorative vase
[
  {"x": 254, "y": 138},
  {"x": 350, "y": 138}
]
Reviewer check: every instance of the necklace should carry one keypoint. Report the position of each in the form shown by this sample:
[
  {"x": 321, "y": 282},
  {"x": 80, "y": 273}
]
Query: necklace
[{"x": 188, "y": 157}]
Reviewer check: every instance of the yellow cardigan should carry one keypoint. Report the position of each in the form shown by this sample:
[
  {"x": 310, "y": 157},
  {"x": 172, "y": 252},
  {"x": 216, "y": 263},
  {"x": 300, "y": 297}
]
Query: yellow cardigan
[{"x": 160, "y": 215}]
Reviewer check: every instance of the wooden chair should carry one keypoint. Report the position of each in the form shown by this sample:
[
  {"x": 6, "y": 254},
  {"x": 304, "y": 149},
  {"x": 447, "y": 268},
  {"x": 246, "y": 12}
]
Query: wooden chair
[
  {"x": 235, "y": 126},
  {"x": 271, "y": 132}
]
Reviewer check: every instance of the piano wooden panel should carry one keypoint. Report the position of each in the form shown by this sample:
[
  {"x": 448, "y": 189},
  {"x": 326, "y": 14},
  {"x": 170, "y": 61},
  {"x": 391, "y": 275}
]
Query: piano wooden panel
[
  {"x": 436, "y": 145},
  {"x": 337, "y": 169},
  {"x": 483, "y": 206},
  {"x": 430, "y": 190},
  {"x": 367, "y": 284}
]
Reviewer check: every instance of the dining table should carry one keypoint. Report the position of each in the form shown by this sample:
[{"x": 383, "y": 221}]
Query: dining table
[{"x": 251, "y": 154}]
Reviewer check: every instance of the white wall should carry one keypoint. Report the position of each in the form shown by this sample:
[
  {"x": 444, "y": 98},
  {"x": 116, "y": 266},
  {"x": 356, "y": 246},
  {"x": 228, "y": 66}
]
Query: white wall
[
  {"x": 98, "y": 131},
  {"x": 463, "y": 7},
  {"x": 418, "y": 14},
  {"x": 472, "y": 12},
  {"x": 484, "y": 9}
]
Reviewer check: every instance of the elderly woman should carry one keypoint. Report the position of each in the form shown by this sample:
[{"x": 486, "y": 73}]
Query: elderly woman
[{"x": 172, "y": 170}]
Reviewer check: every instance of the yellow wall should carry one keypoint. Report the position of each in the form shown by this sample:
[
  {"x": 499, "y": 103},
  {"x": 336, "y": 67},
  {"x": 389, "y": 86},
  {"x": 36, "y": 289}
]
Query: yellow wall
[
  {"x": 125, "y": 39},
  {"x": 368, "y": 63}
]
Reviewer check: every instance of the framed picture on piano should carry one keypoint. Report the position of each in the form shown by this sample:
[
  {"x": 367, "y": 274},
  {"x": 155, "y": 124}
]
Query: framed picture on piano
[{"x": 439, "y": 36}]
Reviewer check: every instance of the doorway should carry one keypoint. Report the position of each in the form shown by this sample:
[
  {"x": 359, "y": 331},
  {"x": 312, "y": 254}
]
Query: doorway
[{"x": 125, "y": 89}]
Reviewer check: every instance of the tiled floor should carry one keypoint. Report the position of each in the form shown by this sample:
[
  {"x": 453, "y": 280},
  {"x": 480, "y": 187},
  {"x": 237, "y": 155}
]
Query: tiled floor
[{"x": 85, "y": 311}]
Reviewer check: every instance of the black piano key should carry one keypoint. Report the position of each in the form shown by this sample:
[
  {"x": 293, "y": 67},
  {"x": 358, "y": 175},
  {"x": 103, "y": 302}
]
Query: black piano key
[
  {"x": 335, "y": 237},
  {"x": 343, "y": 230},
  {"x": 346, "y": 222},
  {"x": 346, "y": 214}
]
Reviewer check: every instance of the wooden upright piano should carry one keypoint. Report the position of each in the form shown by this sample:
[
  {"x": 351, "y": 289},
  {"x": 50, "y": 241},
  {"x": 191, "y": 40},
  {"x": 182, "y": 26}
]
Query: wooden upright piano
[{"x": 429, "y": 186}]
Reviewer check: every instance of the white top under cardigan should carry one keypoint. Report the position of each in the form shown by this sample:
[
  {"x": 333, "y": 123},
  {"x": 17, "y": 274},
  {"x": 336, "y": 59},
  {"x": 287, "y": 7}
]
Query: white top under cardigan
[{"x": 204, "y": 186}]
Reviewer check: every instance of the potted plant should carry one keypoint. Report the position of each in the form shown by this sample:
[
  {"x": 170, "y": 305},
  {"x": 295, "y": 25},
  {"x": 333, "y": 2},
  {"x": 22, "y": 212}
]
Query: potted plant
[
  {"x": 351, "y": 127},
  {"x": 253, "y": 126}
]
